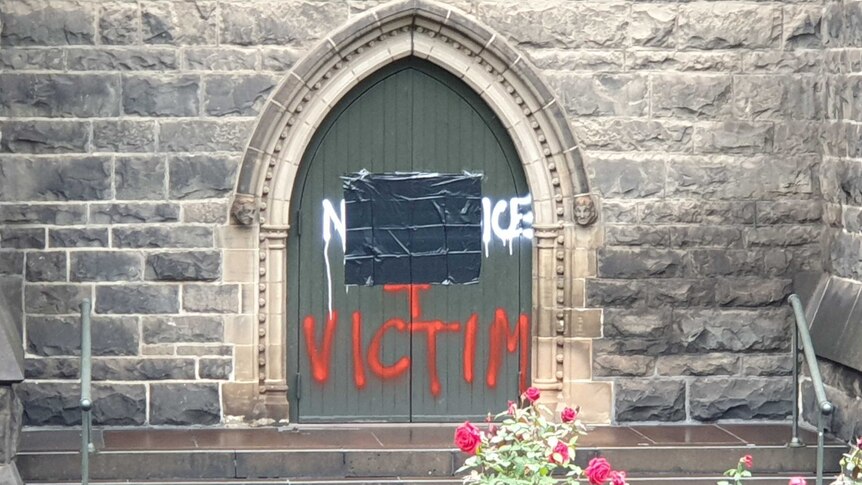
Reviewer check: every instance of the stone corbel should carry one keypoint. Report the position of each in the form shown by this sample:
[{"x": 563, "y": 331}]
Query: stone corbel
[
  {"x": 585, "y": 211},
  {"x": 243, "y": 210}
]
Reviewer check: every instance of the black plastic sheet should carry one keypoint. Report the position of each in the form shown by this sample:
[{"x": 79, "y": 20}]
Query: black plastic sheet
[{"x": 409, "y": 227}]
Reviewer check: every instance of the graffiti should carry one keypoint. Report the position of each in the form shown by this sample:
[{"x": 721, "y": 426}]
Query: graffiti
[{"x": 501, "y": 336}]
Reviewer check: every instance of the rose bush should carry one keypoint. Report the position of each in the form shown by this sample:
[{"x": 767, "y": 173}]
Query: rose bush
[{"x": 527, "y": 448}]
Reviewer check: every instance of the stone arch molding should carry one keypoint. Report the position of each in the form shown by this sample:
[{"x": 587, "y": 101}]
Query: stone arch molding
[{"x": 564, "y": 210}]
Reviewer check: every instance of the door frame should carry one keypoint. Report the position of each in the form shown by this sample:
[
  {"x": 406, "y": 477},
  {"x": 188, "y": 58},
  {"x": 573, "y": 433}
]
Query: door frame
[{"x": 566, "y": 231}]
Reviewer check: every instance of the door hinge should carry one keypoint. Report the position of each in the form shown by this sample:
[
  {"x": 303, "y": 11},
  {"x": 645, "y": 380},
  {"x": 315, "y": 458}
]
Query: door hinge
[{"x": 298, "y": 385}]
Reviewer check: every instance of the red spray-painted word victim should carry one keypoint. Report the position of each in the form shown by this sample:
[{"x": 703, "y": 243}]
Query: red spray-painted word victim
[{"x": 501, "y": 336}]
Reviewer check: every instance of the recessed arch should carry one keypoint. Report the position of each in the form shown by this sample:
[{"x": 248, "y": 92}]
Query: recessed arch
[{"x": 564, "y": 210}]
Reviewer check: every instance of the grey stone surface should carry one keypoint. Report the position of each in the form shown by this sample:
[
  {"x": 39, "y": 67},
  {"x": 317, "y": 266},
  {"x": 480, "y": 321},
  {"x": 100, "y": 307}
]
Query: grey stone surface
[
  {"x": 11, "y": 263},
  {"x": 118, "y": 23},
  {"x": 691, "y": 96},
  {"x": 740, "y": 398},
  {"x": 50, "y": 403},
  {"x": 140, "y": 177},
  {"x": 219, "y": 369},
  {"x": 52, "y": 299},
  {"x": 609, "y": 365},
  {"x": 123, "y": 136},
  {"x": 122, "y": 59},
  {"x": 22, "y": 238},
  {"x": 634, "y": 135},
  {"x": 44, "y": 22},
  {"x": 179, "y": 23},
  {"x": 221, "y": 59},
  {"x": 697, "y": 365},
  {"x": 133, "y": 213},
  {"x": 767, "y": 364},
  {"x": 163, "y": 237},
  {"x": 725, "y": 25},
  {"x": 106, "y": 266},
  {"x": 52, "y": 368},
  {"x": 603, "y": 94},
  {"x": 734, "y": 137},
  {"x": 184, "y": 404},
  {"x": 32, "y": 179},
  {"x": 31, "y": 58},
  {"x": 61, "y": 336},
  {"x": 171, "y": 329},
  {"x": 54, "y": 214},
  {"x": 59, "y": 95},
  {"x": 643, "y": 263},
  {"x": 184, "y": 266},
  {"x": 211, "y": 298},
  {"x": 279, "y": 23},
  {"x": 208, "y": 212},
  {"x": 650, "y": 400},
  {"x": 46, "y": 266},
  {"x": 119, "y": 404},
  {"x": 204, "y": 136},
  {"x": 202, "y": 176},
  {"x": 143, "y": 369},
  {"x": 44, "y": 136},
  {"x": 147, "y": 95},
  {"x": 710, "y": 330},
  {"x": 78, "y": 238},
  {"x": 137, "y": 298},
  {"x": 237, "y": 95},
  {"x": 10, "y": 423}
]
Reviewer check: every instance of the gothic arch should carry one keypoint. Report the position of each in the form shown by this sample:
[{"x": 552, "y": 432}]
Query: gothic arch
[{"x": 564, "y": 211}]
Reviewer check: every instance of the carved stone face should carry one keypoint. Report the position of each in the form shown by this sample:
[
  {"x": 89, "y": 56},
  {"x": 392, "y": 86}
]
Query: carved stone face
[{"x": 585, "y": 210}]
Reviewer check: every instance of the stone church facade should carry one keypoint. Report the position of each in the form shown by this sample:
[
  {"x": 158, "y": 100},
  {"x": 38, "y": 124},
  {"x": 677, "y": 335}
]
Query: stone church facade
[{"x": 148, "y": 150}]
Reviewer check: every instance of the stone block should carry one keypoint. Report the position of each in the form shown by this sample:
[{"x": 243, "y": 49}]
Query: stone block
[
  {"x": 50, "y": 403},
  {"x": 609, "y": 365},
  {"x": 279, "y": 23},
  {"x": 61, "y": 336},
  {"x": 140, "y": 177},
  {"x": 30, "y": 179},
  {"x": 202, "y": 176},
  {"x": 652, "y": 25},
  {"x": 697, "y": 365},
  {"x": 118, "y": 23},
  {"x": 852, "y": 22},
  {"x": 221, "y": 59},
  {"x": 668, "y": 60},
  {"x": 547, "y": 23},
  {"x": 44, "y": 136},
  {"x": 734, "y": 137},
  {"x": 119, "y": 404},
  {"x": 184, "y": 404},
  {"x": 720, "y": 177},
  {"x": 569, "y": 60},
  {"x": 740, "y": 398},
  {"x": 649, "y": 400},
  {"x": 682, "y": 292},
  {"x": 782, "y": 236},
  {"x": 767, "y": 364},
  {"x": 59, "y": 95},
  {"x": 124, "y": 136},
  {"x": 122, "y": 59},
  {"x": 628, "y": 322},
  {"x": 801, "y": 137},
  {"x": 137, "y": 298},
  {"x": 696, "y": 211},
  {"x": 237, "y": 94},
  {"x": 204, "y": 135},
  {"x": 602, "y": 94},
  {"x": 55, "y": 214},
  {"x": 726, "y": 330},
  {"x": 772, "y": 62},
  {"x": 219, "y": 369},
  {"x": 640, "y": 263},
  {"x": 211, "y": 298},
  {"x": 729, "y": 25},
  {"x": 717, "y": 262},
  {"x": 157, "y": 330},
  {"x": 279, "y": 58},
  {"x": 636, "y": 235},
  {"x": 10, "y": 426},
  {"x": 32, "y": 59},
  {"x": 46, "y": 266},
  {"x": 802, "y": 26},
  {"x": 22, "y": 238},
  {"x": 207, "y": 212},
  {"x": 11, "y": 263},
  {"x": 106, "y": 266},
  {"x": 205, "y": 350},
  {"x": 652, "y": 346},
  {"x": 619, "y": 293},
  {"x": 705, "y": 236},
  {"x": 47, "y": 22},
  {"x": 150, "y": 95},
  {"x": 143, "y": 369},
  {"x": 633, "y": 135},
  {"x": 752, "y": 292},
  {"x": 126, "y": 213},
  {"x": 163, "y": 237},
  {"x": 698, "y": 96},
  {"x": 78, "y": 238},
  {"x": 778, "y": 97},
  {"x": 51, "y": 368},
  {"x": 52, "y": 299},
  {"x": 184, "y": 266},
  {"x": 179, "y": 23},
  {"x": 620, "y": 176},
  {"x": 623, "y": 212}
]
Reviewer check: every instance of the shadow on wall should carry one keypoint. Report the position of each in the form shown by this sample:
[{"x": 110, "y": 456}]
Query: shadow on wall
[{"x": 11, "y": 372}]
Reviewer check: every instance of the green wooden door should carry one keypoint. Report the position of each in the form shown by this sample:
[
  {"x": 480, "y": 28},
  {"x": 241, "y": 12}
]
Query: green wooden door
[{"x": 402, "y": 352}]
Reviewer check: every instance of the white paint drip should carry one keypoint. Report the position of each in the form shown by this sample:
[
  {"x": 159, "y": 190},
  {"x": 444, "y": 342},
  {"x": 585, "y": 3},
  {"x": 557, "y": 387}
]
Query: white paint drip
[{"x": 331, "y": 218}]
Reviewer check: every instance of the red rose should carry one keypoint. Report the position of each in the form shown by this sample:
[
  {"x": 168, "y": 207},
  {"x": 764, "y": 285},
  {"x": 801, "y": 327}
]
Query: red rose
[
  {"x": 859, "y": 442},
  {"x": 618, "y": 478},
  {"x": 560, "y": 454},
  {"x": 568, "y": 415},
  {"x": 467, "y": 438},
  {"x": 747, "y": 460},
  {"x": 797, "y": 481},
  {"x": 532, "y": 394},
  {"x": 598, "y": 470}
]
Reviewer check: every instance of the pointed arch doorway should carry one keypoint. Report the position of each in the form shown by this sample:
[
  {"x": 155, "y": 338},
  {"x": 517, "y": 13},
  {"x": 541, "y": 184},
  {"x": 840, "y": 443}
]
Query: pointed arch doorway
[{"x": 408, "y": 306}]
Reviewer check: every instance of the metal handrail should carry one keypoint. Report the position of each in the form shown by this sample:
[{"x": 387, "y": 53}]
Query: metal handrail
[
  {"x": 86, "y": 395},
  {"x": 825, "y": 407}
]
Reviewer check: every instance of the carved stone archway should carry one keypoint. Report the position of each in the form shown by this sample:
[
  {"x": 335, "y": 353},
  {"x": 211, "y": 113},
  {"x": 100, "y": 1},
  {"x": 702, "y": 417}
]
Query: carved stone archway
[{"x": 564, "y": 210}]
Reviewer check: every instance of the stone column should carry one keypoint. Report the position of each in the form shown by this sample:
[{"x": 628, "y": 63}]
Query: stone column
[{"x": 11, "y": 419}]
